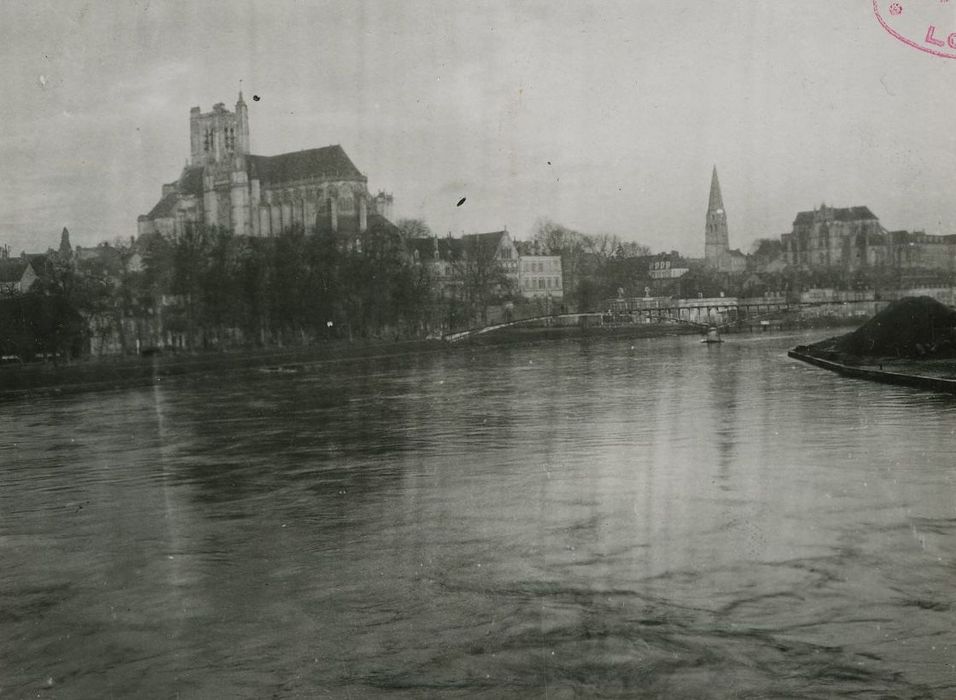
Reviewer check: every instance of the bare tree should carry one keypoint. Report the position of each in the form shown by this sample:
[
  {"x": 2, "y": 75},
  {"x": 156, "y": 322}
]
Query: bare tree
[
  {"x": 413, "y": 228},
  {"x": 480, "y": 277}
]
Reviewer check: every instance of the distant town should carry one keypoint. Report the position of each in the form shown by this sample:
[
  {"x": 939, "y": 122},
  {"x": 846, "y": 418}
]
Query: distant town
[{"x": 247, "y": 250}]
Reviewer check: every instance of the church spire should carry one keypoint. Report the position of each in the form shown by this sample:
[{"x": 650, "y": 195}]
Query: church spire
[
  {"x": 716, "y": 244},
  {"x": 716, "y": 202}
]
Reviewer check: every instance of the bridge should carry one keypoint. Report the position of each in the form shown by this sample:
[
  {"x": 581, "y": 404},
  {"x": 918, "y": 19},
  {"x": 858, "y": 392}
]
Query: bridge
[
  {"x": 556, "y": 321},
  {"x": 593, "y": 319},
  {"x": 702, "y": 313},
  {"x": 712, "y": 311}
]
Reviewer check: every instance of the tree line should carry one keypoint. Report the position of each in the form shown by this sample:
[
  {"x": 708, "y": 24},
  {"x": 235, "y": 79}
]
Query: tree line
[
  {"x": 206, "y": 287},
  {"x": 215, "y": 288}
]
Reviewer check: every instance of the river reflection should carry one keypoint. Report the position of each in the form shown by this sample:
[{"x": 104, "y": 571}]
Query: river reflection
[{"x": 614, "y": 518}]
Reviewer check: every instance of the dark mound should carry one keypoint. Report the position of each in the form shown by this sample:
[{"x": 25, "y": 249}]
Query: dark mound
[{"x": 913, "y": 327}]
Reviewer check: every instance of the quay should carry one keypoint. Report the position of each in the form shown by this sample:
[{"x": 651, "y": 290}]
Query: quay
[{"x": 919, "y": 381}]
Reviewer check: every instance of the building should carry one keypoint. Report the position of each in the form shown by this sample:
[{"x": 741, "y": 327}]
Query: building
[
  {"x": 831, "y": 236},
  {"x": 667, "y": 266},
  {"x": 489, "y": 255},
  {"x": 17, "y": 276},
  {"x": 919, "y": 250},
  {"x": 852, "y": 238},
  {"x": 475, "y": 256},
  {"x": 717, "y": 253},
  {"x": 441, "y": 256},
  {"x": 225, "y": 184},
  {"x": 493, "y": 248},
  {"x": 539, "y": 277},
  {"x": 107, "y": 261}
]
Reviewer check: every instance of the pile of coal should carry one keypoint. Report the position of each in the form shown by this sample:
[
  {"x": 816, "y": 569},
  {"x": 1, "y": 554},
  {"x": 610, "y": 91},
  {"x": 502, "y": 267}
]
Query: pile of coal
[{"x": 912, "y": 327}]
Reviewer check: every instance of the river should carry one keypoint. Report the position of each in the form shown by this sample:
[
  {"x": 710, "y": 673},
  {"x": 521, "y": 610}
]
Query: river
[{"x": 579, "y": 518}]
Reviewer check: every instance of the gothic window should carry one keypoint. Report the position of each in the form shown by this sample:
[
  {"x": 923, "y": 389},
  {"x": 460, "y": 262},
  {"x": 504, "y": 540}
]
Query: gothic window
[
  {"x": 224, "y": 209},
  {"x": 230, "y": 138},
  {"x": 207, "y": 141},
  {"x": 346, "y": 202}
]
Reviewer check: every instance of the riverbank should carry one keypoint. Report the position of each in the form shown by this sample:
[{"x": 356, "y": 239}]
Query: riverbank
[
  {"x": 939, "y": 377},
  {"x": 113, "y": 373},
  {"x": 911, "y": 343},
  {"x": 106, "y": 373}
]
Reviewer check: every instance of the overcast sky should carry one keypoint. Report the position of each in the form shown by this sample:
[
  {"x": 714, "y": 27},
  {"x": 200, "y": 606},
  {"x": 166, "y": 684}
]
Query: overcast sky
[{"x": 606, "y": 117}]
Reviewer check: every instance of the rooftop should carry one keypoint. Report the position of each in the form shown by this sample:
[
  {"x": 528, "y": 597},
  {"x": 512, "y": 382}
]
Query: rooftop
[
  {"x": 12, "y": 269},
  {"x": 825, "y": 213},
  {"x": 328, "y": 161}
]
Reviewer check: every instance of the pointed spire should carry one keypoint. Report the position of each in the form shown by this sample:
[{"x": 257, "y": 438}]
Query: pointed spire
[
  {"x": 66, "y": 250},
  {"x": 716, "y": 201}
]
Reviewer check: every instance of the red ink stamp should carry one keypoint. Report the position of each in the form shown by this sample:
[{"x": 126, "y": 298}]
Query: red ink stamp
[{"x": 927, "y": 25}]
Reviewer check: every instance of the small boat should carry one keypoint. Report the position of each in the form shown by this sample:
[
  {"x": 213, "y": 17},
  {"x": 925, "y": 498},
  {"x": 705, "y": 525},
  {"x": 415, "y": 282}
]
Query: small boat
[{"x": 713, "y": 336}]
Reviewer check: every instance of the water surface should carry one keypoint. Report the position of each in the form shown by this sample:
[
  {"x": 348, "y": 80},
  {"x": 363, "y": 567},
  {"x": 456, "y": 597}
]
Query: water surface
[{"x": 580, "y": 518}]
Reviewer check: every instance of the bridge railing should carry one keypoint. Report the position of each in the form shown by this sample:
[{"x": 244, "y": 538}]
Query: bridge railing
[{"x": 551, "y": 320}]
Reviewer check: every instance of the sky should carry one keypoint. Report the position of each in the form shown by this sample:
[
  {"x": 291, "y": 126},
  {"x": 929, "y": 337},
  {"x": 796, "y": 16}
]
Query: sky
[{"x": 606, "y": 117}]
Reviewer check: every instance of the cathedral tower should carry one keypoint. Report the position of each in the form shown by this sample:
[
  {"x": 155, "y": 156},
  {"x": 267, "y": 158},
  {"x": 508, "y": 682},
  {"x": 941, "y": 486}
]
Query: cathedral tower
[
  {"x": 716, "y": 244},
  {"x": 217, "y": 136}
]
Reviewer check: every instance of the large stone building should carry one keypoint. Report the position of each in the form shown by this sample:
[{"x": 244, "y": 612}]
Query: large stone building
[
  {"x": 831, "y": 236},
  {"x": 852, "y": 238},
  {"x": 717, "y": 253},
  {"x": 224, "y": 184}
]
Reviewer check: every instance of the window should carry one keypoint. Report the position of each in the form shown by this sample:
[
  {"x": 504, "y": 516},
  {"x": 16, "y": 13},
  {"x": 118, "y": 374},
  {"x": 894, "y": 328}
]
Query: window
[{"x": 207, "y": 141}]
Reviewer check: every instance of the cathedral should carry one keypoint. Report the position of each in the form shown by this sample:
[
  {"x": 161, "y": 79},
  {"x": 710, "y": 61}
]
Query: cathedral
[{"x": 224, "y": 184}]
